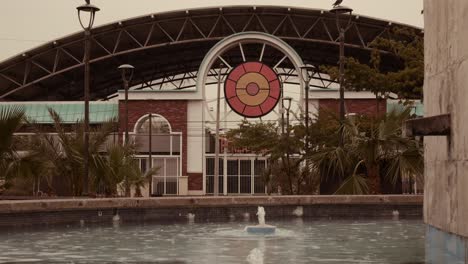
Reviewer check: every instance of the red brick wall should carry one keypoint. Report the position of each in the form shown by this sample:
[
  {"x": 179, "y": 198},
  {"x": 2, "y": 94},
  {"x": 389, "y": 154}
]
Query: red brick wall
[
  {"x": 175, "y": 111},
  {"x": 358, "y": 106},
  {"x": 195, "y": 182}
]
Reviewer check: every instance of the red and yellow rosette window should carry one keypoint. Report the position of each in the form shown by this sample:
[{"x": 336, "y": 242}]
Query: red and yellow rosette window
[{"x": 252, "y": 89}]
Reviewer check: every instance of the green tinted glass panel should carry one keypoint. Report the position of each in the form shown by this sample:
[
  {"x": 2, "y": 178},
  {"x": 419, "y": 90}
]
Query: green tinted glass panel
[{"x": 69, "y": 112}]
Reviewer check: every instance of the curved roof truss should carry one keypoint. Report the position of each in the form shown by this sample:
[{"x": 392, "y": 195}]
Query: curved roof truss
[{"x": 168, "y": 48}]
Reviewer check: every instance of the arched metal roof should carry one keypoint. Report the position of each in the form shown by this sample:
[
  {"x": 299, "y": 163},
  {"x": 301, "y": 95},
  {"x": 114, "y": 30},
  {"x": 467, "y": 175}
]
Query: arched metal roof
[{"x": 167, "y": 48}]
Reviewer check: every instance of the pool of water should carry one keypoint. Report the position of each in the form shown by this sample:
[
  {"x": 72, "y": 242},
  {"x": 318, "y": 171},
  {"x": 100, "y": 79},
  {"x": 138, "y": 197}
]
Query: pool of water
[{"x": 296, "y": 241}]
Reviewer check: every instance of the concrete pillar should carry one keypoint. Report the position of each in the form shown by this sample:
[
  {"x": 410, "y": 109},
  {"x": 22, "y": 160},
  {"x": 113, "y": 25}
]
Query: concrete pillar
[{"x": 446, "y": 158}]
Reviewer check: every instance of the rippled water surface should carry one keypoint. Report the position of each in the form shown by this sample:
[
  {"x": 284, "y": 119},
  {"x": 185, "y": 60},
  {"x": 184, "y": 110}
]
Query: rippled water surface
[{"x": 296, "y": 241}]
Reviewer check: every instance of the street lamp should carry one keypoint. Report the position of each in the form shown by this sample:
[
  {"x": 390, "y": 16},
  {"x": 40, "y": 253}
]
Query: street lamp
[
  {"x": 86, "y": 11},
  {"x": 342, "y": 11},
  {"x": 286, "y": 101},
  {"x": 305, "y": 74},
  {"x": 127, "y": 75},
  {"x": 218, "y": 120},
  {"x": 126, "y": 71}
]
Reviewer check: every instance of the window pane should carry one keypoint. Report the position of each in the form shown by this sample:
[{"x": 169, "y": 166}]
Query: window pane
[
  {"x": 159, "y": 163},
  {"x": 176, "y": 144},
  {"x": 172, "y": 166},
  {"x": 161, "y": 144},
  {"x": 233, "y": 176},
  {"x": 259, "y": 166},
  {"x": 259, "y": 184},
  {"x": 159, "y": 125},
  {"x": 144, "y": 164},
  {"x": 210, "y": 175},
  {"x": 245, "y": 176}
]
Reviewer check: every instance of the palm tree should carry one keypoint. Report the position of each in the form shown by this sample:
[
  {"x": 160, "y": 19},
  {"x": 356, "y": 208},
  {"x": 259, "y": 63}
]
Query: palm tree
[
  {"x": 112, "y": 166},
  {"x": 374, "y": 147},
  {"x": 11, "y": 118},
  {"x": 20, "y": 167},
  {"x": 65, "y": 150},
  {"x": 384, "y": 142},
  {"x": 31, "y": 169},
  {"x": 118, "y": 168}
]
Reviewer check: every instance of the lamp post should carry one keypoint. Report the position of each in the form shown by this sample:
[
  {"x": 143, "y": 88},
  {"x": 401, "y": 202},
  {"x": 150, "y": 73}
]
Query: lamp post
[
  {"x": 150, "y": 153},
  {"x": 342, "y": 11},
  {"x": 282, "y": 116},
  {"x": 305, "y": 70},
  {"x": 126, "y": 71},
  {"x": 86, "y": 11},
  {"x": 216, "y": 165},
  {"x": 286, "y": 101}
]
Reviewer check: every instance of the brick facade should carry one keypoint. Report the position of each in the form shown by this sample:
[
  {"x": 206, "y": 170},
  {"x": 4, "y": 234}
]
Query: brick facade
[
  {"x": 358, "y": 106},
  {"x": 175, "y": 111},
  {"x": 195, "y": 181}
]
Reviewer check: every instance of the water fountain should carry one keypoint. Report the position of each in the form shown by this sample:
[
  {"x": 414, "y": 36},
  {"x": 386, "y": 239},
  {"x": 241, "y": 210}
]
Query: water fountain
[{"x": 261, "y": 228}]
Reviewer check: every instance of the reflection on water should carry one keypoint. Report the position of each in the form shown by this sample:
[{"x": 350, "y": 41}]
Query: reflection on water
[{"x": 297, "y": 241}]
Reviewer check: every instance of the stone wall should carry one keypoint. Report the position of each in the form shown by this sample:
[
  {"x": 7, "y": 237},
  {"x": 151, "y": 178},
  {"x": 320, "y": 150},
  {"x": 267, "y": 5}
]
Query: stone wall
[
  {"x": 170, "y": 209},
  {"x": 445, "y": 92}
]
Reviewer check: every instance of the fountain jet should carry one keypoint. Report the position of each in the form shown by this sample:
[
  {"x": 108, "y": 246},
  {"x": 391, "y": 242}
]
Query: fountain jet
[{"x": 261, "y": 228}]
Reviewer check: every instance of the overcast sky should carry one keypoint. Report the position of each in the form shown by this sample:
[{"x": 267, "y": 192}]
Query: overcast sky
[{"x": 25, "y": 24}]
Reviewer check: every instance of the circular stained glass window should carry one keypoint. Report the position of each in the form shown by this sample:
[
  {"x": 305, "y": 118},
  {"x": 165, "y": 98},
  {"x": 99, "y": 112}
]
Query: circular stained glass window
[{"x": 252, "y": 89}]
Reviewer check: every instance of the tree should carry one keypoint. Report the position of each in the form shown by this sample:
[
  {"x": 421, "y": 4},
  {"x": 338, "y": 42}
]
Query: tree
[
  {"x": 403, "y": 49},
  {"x": 118, "y": 168},
  {"x": 374, "y": 147},
  {"x": 65, "y": 150},
  {"x": 260, "y": 138},
  {"x": 20, "y": 169},
  {"x": 59, "y": 157},
  {"x": 30, "y": 170},
  {"x": 283, "y": 150},
  {"x": 11, "y": 118}
]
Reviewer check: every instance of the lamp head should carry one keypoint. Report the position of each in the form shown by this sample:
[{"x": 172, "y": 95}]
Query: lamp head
[
  {"x": 288, "y": 100},
  {"x": 89, "y": 10},
  {"x": 126, "y": 67},
  {"x": 306, "y": 69},
  {"x": 341, "y": 10},
  {"x": 127, "y": 72}
]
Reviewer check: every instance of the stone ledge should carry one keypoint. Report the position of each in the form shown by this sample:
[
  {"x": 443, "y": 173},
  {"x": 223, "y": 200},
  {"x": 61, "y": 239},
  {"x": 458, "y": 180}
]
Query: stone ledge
[{"x": 191, "y": 202}]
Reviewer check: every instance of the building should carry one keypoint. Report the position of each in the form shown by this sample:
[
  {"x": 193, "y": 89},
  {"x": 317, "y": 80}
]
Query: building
[{"x": 179, "y": 58}]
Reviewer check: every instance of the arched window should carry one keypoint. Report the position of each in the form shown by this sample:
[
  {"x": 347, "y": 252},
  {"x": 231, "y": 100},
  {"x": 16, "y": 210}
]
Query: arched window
[
  {"x": 165, "y": 146},
  {"x": 163, "y": 140},
  {"x": 159, "y": 125}
]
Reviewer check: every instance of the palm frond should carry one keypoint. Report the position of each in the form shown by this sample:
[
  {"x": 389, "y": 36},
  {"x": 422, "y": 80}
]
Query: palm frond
[
  {"x": 409, "y": 162},
  {"x": 11, "y": 119},
  {"x": 333, "y": 161},
  {"x": 353, "y": 185}
]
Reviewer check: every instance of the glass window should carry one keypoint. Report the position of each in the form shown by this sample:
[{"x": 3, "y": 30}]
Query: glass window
[{"x": 159, "y": 125}]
